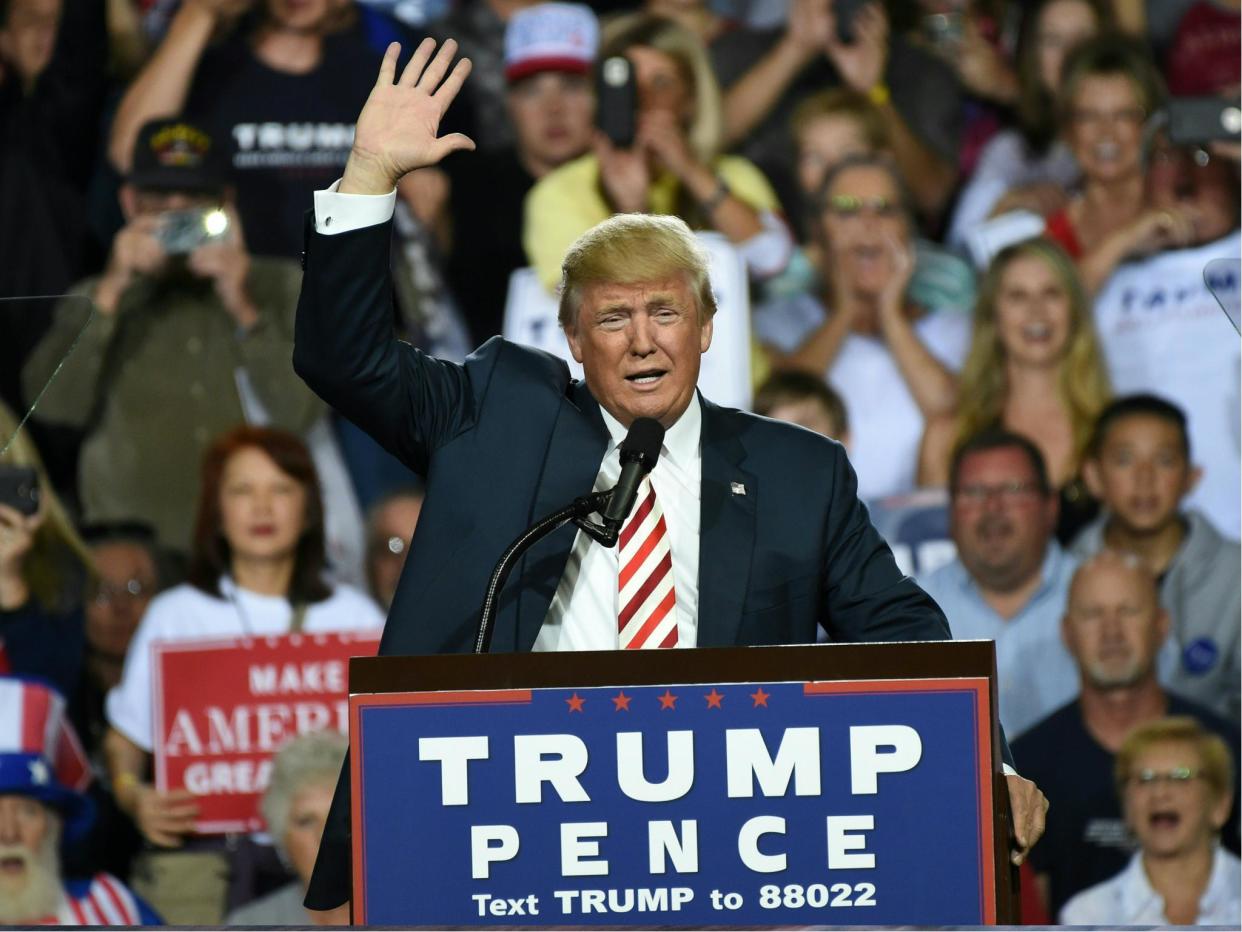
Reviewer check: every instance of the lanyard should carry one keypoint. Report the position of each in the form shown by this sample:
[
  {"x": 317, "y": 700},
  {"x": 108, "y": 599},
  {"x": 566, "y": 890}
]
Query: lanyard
[{"x": 297, "y": 617}]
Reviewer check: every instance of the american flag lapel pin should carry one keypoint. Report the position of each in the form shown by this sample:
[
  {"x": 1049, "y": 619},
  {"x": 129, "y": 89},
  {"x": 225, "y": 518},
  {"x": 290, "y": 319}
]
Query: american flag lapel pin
[{"x": 737, "y": 488}]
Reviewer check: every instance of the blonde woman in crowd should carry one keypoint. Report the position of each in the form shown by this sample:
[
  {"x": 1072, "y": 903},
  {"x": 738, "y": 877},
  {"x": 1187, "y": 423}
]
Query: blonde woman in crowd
[
  {"x": 1033, "y": 368},
  {"x": 1176, "y": 783},
  {"x": 43, "y": 566}
]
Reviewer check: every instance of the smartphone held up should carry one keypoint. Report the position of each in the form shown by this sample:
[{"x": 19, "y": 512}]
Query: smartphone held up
[
  {"x": 19, "y": 489},
  {"x": 180, "y": 232},
  {"x": 616, "y": 109}
]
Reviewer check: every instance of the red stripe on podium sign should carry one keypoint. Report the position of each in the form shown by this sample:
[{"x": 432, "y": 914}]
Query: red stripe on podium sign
[
  {"x": 979, "y": 686},
  {"x": 223, "y": 708}
]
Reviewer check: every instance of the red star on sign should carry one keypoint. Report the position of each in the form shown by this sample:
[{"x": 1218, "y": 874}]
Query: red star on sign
[
  {"x": 622, "y": 702},
  {"x": 760, "y": 697},
  {"x": 668, "y": 701},
  {"x": 575, "y": 703},
  {"x": 713, "y": 699}
]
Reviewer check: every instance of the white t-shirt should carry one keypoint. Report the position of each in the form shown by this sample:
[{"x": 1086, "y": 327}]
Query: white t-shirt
[
  {"x": 886, "y": 426},
  {"x": 1163, "y": 332},
  {"x": 185, "y": 613}
]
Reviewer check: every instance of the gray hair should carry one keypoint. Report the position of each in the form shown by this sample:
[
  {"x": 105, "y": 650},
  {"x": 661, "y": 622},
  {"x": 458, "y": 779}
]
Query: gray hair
[{"x": 305, "y": 759}]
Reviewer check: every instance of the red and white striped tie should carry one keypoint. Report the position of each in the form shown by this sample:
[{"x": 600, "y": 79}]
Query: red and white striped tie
[{"x": 648, "y": 602}]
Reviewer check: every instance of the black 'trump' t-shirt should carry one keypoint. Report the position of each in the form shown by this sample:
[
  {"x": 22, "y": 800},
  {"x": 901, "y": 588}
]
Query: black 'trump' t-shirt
[{"x": 290, "y": 134}]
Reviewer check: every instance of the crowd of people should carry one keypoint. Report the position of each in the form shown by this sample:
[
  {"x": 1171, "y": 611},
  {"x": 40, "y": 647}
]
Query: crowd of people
[{"x": 986, "y": 249}]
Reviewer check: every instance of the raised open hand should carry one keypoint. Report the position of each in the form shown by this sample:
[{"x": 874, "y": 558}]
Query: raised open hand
[
  {"x": 861, "y": 63},
  {"x": 398, "y": 128}
]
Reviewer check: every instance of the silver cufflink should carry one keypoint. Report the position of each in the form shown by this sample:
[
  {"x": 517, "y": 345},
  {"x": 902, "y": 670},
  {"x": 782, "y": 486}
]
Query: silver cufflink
[{"x": 737, "y": 488}]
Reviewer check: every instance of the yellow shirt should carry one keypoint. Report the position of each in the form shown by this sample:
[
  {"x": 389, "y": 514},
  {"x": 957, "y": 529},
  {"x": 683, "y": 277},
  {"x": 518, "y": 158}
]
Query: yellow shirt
[{"x": 567, "y": 202}]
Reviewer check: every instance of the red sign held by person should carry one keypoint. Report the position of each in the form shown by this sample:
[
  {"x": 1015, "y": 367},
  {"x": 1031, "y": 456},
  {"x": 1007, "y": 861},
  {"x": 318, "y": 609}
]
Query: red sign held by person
[{"x": 223, "y": 708}]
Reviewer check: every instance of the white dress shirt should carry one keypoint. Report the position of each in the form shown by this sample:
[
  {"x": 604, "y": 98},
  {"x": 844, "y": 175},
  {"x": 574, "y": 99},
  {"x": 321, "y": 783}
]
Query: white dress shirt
[{"x": 583, "y": 612}]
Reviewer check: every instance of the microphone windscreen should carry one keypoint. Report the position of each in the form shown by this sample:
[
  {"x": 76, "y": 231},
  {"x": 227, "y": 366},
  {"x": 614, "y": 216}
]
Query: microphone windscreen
[{"x": 644, "y": 439}]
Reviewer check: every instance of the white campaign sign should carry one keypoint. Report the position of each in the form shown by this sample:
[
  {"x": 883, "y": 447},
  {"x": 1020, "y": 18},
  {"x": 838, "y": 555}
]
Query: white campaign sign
[
  {"x": 1163, "y": 329},
  {"x": 530, "y": 319}
]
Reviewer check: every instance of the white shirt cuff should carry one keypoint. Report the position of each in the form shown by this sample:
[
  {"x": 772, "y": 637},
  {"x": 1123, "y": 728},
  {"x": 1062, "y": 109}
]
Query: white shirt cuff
[
  {"x": 1008, "y": 771},
  {"x": 341, "y": 213}
]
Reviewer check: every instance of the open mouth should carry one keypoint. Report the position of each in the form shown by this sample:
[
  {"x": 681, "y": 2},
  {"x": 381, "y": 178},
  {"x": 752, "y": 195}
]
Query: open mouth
[
  {"x": 646, "y": 377},
  {"x": 13, "y": 864},
  {"x": 1106, "y": 151},
  {"x": 1165, "y": 820},
  {"x": 1037, "y": 333}
]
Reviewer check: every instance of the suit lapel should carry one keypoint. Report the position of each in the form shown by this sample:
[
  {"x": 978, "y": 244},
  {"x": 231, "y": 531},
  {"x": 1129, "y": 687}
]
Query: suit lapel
[
  {"x": 575, "y": 451},
  {"x": 726, "y": 530}
]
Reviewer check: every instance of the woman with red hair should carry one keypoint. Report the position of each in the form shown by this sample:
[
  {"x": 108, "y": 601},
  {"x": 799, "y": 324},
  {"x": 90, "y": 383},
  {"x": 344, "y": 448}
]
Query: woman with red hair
[{"x": 256, "y": 568}]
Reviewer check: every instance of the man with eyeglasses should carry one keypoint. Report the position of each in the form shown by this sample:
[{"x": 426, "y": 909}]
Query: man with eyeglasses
[
  {"x": 1176, "y": 785},
  {"x": 1010, "y": 579},
  {"x": 125, "y": 577},
  {"x": 1114, "y": 626},
  {"x": 126, "y": 573}
]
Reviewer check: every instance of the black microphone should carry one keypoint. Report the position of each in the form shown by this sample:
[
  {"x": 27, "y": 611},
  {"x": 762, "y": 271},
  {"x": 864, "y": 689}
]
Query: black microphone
[{"x": 639, "y": 451}]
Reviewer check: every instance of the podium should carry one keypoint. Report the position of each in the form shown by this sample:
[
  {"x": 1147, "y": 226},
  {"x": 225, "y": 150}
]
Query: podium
[{"x": 830, "y": 784}]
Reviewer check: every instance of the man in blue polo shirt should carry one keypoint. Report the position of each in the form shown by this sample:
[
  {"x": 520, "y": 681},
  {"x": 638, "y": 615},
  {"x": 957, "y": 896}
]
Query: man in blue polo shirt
[{"x": 1010, "y": 579}]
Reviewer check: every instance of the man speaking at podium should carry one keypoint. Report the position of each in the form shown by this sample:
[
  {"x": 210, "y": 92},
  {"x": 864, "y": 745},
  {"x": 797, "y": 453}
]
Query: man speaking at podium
[{"x": 747, "y": 531}]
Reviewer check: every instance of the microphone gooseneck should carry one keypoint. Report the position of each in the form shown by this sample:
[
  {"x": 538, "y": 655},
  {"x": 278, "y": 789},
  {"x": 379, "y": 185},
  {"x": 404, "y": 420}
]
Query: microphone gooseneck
[{"x": 639, "y": 451}]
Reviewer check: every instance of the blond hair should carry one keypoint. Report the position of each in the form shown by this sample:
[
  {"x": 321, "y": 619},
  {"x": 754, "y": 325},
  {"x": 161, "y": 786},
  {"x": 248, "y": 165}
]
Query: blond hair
[
  {"x": 1216, "y": 763},
  {"x": 1082, "y": 382},
  {"x": 58, "y": 560},
  {"x": 630, "y": 248},
  {"x": 706, "y": 131}
]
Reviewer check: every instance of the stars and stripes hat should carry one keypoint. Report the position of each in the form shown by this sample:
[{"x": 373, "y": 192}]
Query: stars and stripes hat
[
  {"x": 40, "y": 755},
  {"x": 550, "y": 37}
]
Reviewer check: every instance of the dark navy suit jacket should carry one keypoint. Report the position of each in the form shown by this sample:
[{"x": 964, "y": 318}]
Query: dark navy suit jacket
[{"x": 509, "y": 437}]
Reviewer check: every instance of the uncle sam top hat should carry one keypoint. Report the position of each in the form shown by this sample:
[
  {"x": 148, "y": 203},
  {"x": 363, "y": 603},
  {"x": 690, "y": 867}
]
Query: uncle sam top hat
[{"x": 40, "y": 755}]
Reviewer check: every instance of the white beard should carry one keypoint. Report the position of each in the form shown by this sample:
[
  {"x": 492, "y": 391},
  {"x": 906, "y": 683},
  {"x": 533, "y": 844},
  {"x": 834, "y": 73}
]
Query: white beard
[{"x": 41, "y": 894}]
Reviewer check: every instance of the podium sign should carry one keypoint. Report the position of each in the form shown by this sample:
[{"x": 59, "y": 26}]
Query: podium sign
[{"x": 760, "y": 802}]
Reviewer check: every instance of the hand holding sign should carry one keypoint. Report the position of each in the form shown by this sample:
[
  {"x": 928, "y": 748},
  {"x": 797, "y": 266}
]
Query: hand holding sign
[
  {"x": 164, "y": 818},
  {"x": 397, "y": 129}
]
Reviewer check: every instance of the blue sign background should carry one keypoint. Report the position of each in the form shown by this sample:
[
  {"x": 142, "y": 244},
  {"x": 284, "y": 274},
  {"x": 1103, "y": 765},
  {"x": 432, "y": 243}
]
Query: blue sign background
[{"x": 926, "y": 840}]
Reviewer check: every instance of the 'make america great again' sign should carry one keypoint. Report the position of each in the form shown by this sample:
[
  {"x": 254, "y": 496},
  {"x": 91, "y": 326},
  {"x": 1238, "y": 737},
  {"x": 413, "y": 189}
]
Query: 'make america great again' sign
[
  {"x": 223, "y": 708},
  {"x": 864, "y": 802}
]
